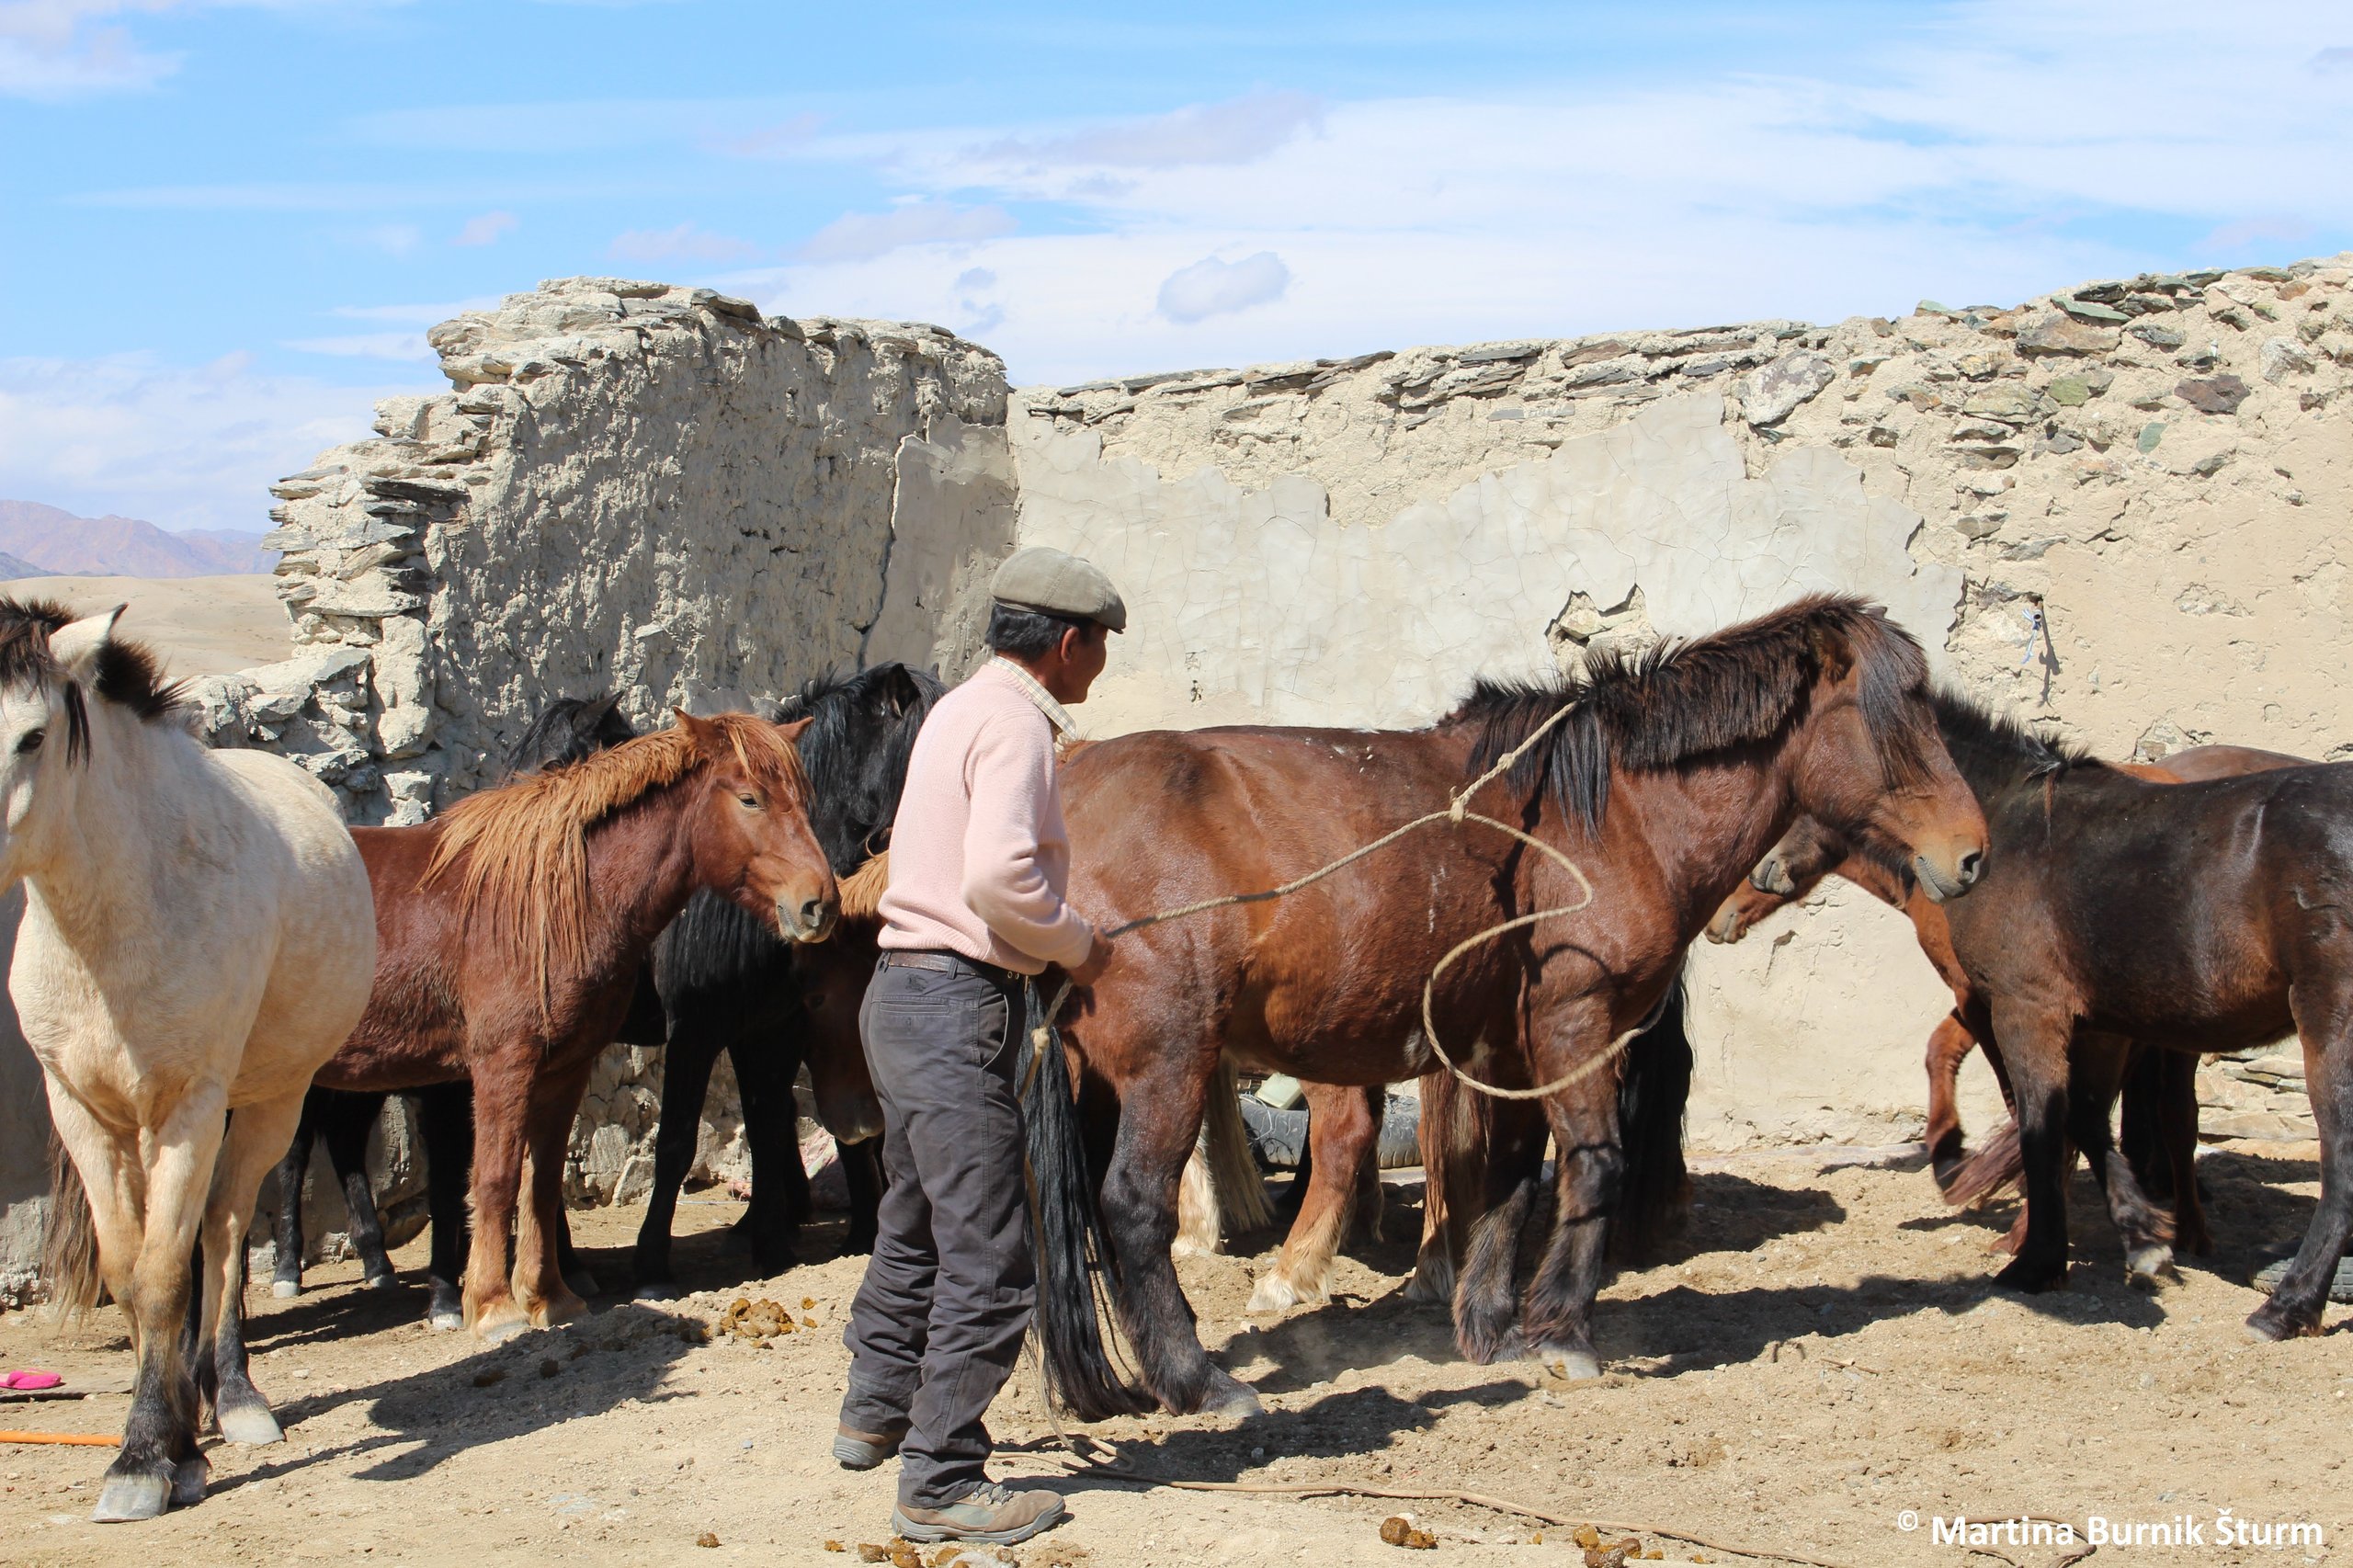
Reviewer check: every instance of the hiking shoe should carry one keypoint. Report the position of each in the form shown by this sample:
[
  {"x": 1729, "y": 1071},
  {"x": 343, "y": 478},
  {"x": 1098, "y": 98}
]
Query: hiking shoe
[
  {"x": 988, "y": 1513},
  {"x": 863, "y": 1451}
]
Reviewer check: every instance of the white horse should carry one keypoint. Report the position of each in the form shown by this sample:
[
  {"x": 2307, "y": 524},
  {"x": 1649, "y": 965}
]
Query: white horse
[{"x": 198, "y": 937}]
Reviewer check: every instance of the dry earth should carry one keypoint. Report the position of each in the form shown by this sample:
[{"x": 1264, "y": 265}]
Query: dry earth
[
  {"x": 203, "y": 626},
  {"x": 1819, "y": 1352}
]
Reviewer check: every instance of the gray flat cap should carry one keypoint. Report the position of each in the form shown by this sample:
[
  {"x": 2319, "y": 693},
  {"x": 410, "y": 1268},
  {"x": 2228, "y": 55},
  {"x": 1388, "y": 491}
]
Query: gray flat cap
[{"x": 1059, "y": 584}]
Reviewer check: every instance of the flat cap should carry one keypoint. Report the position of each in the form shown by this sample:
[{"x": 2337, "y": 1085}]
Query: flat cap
[{"x": 1059, "y": 584}]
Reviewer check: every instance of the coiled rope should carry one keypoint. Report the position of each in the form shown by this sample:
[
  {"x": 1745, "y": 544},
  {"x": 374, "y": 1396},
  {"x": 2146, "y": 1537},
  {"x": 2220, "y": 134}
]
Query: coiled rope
[{"x": 1456, "y": 813}]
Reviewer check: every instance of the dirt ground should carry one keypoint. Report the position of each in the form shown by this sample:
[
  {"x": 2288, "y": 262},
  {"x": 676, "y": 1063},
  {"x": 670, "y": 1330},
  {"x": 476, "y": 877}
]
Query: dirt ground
[{"x": 1819, "y": 1353}]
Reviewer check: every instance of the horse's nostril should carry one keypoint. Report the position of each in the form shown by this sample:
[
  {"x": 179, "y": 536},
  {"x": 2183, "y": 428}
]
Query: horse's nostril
[
  {"x": 1971, "y": 864},
  {"x": 813, "y": 915}
]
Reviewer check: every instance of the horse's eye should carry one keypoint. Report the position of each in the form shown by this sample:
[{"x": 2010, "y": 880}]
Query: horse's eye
[
  {"x": 32, "y": 739},
  {"x": 749, "y": 802}
]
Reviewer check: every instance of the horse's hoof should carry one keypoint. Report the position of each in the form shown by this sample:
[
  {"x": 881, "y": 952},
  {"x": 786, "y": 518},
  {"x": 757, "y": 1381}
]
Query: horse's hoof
[
  {"x": 250, "y": 1424},
  {"x": 126, "y": 1499},
  {"x": 2032, "y": 1277},
  {"x": 1231, "y": 1401},
  {"x": 1275, "y": 1292},
  {"x": 657, "y": 1291},
  {"x": 2268, "y": 1324},
  {"x": 383, "y": 1281},
  {"x": 558, "y": 1309},
  {"x": 286, "y": 1290},
  {"x": 189, "y": 1477},
  {"x": 1570, "y": 1364},
  {"x": 2148, "y": 1267},
  {"x": 445, "y": 1318},
  {"x": 501, "y": 1327},
  {"x": 583, "y": 1284}
]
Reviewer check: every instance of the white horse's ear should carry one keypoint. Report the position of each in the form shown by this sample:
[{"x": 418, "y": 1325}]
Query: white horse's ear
[{"x": 78, "y": 645}]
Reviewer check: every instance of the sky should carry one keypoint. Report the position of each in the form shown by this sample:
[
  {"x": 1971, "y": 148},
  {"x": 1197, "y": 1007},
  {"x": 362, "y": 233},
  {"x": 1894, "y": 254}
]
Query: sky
[{"x": 225, "y": 224}]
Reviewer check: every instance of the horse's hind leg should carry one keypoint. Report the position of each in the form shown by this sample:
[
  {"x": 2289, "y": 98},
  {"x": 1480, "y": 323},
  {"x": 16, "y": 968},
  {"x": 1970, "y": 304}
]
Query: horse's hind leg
[
  {"x": 764, "y": 1073},
  {"x": 446, "y": 1113},
  {"x": 286, "y": 1278},
  {"x": 350, "y": 1119},
  {"x": 862, "y": 1175},
  {"x": 1493, "y": 1215},
  {"x": 2324, "y": 1010},
  {"x": 256, "y": 1133},
  {"x": 2178, "y": 1145},
  {"x": 1453, "y": 1138},
  {"x": 1342, "y": 1125},
  {"x": 686, "y": 1063}
]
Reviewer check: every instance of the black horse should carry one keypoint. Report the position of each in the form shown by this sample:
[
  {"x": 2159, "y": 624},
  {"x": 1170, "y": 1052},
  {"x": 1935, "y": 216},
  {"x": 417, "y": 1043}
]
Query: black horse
[{"x": 718, "y": 982}]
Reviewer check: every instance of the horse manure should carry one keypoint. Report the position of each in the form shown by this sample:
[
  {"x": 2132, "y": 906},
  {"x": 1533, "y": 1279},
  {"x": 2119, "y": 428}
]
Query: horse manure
[
  {"x": 708, "y": 1538},
  {"x": 808, "y": 1323},
  {"x": 870, "y": 1552},
  {"x": 490, "y": 1375},
  {"x": 1587, "y": 1536},
  {"x": 550, "y": 1366},
  {"x": 756, "y": 1321},
  {"x": 1616, "y": 1555},
  {"x": 808, "y": 1303},
  {"x": 836, "y": 1546},
  {"x": 1399, "y": 1530}
]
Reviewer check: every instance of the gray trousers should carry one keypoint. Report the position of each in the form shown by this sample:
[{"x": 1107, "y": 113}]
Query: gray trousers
[{"x": 940, "y": 1319}]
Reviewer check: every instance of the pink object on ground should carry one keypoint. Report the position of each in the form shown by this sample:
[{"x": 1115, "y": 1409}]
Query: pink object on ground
[{"x": 29, "y": 1381}]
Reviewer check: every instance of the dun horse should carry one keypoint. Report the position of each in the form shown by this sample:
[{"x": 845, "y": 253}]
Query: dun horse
[
  {"x": 196, "y": 941},
  {"x": 513, "y": 928},
  {"x": 1673, "y": 773}
]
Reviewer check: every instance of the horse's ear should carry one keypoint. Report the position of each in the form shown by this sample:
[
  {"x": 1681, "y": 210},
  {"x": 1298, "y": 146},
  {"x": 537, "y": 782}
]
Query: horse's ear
[
  {"x": 79, "y": 645},
  {"x": 905, "y": 695},
  {"x": 704, "y": 732},
  {"x": 1836, "y": 654},
  {"x": 795, "y": 730}
]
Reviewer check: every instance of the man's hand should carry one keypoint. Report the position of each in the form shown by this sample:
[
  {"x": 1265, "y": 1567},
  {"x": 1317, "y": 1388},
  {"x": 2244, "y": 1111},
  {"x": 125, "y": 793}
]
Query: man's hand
[{"x": 1098, "y": 957}]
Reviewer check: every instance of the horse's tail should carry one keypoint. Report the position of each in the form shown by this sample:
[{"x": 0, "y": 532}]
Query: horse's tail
[
  {"x": 1240, "y": 1191},
  {"x": 1653, "y": 1092},
  {"x": 1076, "y": 1266},
  {"x": 1998, "y": 1163},
  {"x": 69, "y": 1237}
]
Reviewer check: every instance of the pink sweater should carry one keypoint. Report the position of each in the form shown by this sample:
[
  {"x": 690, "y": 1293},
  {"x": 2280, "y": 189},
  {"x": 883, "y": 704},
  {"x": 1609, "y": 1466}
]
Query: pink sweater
[{"x": 979, "y": 855}]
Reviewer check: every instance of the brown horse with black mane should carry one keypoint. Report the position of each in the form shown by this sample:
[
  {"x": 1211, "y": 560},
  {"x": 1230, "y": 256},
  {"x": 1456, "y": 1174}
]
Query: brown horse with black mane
[
  {"x": 1672, "y": 773},
  {"x": 510, "y": 933}
]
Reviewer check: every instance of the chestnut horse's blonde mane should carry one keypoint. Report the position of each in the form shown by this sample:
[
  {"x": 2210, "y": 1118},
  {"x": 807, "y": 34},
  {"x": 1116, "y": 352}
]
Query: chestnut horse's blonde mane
[
  {"x": 524, "y": 845},
  {"x": 861, "y": 890}
]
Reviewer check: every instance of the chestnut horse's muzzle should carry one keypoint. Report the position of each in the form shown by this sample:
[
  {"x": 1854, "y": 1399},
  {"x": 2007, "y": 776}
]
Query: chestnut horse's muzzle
[
  {"x": 809, "y": 921},
  {"x": 1939, "y": 883}
]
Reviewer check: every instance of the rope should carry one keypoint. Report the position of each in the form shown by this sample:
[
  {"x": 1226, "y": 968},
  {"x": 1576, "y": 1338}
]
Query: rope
[{"x": 1456, "y": 813}]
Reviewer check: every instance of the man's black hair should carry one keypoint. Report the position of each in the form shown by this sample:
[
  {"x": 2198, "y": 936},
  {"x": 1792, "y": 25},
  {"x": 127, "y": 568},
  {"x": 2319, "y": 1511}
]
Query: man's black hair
[{"x": 1028, "y": 633}]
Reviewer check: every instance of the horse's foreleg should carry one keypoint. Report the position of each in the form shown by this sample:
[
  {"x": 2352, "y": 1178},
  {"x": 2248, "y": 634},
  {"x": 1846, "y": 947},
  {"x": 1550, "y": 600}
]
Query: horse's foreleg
[
  {"x": 502, "y": 1107},
  {"x": 1342, "y": 1125},
  {"x": 763, "y": 1071},
  {"x": 862, "y": 1175},
  {"x": 350, "y": 1119},
  {"x": 293, "y": 1171},
  {"x": 1589, "y": 1177},
  {"x": 2097, "y": 1070},
  {"x": 256, "y": 1133},
  {"x": 1507, "y": 1163},
  {"x": 1159, "y": 1121},
  {"x": 686, "y": 1063},
  {"x": 2323, "y": 1009},
  {"x": 2033, "y": 1042},
  {"x": 539, "y": 1273},
  {"x": 446, "y": 1113},
  {"x": 1948, "y": 1047},
  {"x": 159, "y": 1440}
]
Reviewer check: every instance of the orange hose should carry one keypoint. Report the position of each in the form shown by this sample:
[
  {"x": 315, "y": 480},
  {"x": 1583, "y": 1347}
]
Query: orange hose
[{"x": 89, "y": 1440}]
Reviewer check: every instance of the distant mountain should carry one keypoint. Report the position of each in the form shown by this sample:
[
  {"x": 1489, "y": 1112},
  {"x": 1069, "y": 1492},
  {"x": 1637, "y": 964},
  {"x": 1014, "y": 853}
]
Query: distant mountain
[
  {"x": 15, "y": 566},
  {"x": 56, "y": 541}
]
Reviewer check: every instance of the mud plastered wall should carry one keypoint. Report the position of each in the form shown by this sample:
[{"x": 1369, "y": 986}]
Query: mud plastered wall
[{"x": 2118, "y": 509}]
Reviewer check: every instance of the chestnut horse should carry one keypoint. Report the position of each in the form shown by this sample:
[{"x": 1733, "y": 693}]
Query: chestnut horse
[
  {"x": 1670, "y": 774},
  {"x": 511, "y": 931},
  {"x": 2159, "y": 1088}
]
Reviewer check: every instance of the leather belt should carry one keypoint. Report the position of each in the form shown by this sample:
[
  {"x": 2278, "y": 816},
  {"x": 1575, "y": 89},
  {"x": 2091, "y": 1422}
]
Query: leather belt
[{"x": 949, "y": 963}]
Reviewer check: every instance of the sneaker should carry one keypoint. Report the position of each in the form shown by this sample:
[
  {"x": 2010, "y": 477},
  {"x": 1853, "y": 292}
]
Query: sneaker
[
  {"x": 863, "y": 1451},
  {"x": 988, "y": 1513}
]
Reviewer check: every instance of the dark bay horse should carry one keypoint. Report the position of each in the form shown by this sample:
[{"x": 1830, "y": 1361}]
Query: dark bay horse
[
  {"x": 2158, "y": 1087},
  {"x": 1671, "y": 775},
  {"x": 512, "y": 929},
  {"x": 2188, "y": 918}
]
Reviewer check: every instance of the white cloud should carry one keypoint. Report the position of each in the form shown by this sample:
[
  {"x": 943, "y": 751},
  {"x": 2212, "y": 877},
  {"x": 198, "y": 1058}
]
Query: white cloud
[
  {"x": 56, "y": 49},
  {"x": 1214, "y": 288},
  {"x": 1240, "y": 130},
  {"x": 485, "y": 228},
  {"x": 181, "y": 446},
  {"x": 369, "y": 346},
  {"x": 862, "y": 236},
  {"x": 685, "y": 242}
]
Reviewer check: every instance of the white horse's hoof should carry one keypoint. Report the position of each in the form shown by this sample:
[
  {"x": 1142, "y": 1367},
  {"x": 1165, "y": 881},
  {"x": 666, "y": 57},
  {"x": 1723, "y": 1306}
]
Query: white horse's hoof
[
  {"x": 250, "y": 1424},
  {"x": 381, "y": 1283},
  {"x": 2146, "y": 1266},
  {"x": 284, "y": 1289},
  {"x": 189, "y": 1477},
  {"x": 445, "y": 1321},
  {"x": 126, "y": 1499},
  {"x": 657, "y": 1291},
  {"x": 1570, "y": 1366}
]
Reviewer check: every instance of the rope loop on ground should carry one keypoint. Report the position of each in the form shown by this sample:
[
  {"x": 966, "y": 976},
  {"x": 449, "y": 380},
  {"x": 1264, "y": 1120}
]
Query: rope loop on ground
[{"x": 1456, "y": 813}]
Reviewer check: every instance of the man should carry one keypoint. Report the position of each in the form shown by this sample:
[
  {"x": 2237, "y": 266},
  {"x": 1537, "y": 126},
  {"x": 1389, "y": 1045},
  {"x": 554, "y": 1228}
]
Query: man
[{"x": 979, "y": 863}]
